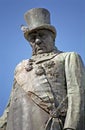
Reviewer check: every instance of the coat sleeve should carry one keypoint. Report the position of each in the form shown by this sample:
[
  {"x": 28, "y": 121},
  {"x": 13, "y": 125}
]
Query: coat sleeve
[
  {"x": 3, "y": 118},
  {"x": 75, "y": 80}
]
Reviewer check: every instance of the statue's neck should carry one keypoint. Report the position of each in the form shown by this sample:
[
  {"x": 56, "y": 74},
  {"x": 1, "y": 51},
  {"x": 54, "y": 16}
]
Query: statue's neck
[
  {"x": 54, "y": 50},
  {"x": 44, "y": 56}
]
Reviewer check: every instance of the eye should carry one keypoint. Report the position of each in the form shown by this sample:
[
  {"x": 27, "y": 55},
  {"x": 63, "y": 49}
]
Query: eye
[
  {"x": 42, "y": 35},
  {"x": 32, "y": 38}
]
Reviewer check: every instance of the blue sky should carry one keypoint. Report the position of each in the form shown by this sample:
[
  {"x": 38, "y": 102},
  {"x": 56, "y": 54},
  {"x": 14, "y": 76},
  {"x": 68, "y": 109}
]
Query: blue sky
[{"x": 68, "y": 17}]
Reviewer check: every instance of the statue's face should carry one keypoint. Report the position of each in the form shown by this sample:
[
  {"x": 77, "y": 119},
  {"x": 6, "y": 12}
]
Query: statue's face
[{"x": 41, "y": 41}]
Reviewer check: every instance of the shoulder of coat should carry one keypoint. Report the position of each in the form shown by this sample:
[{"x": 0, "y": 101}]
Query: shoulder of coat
[
  {"x": 66, "y": 54},
  {"x": 21, "y": 66}
]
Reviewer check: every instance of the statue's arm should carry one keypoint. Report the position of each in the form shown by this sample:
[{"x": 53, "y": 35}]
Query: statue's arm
[
  {"x": 75, "y": 79},
  {"x": 3, "y": 118}
]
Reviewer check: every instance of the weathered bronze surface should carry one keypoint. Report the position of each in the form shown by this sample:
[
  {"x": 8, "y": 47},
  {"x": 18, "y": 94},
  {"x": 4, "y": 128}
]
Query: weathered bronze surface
[{"x": 48, "y": 89}]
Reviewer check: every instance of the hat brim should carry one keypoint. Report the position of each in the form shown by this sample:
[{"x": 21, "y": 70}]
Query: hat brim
[{"x": 46, "y": 26}]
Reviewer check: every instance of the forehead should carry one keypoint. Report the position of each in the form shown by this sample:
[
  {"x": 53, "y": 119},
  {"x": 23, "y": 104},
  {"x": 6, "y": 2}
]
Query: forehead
[{"x": 38, "y": 32}]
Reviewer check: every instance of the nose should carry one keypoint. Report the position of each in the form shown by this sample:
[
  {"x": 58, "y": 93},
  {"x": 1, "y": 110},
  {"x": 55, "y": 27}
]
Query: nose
[{"x": 38, "y": 41}]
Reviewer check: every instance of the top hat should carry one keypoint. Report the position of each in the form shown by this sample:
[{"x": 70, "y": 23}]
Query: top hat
[{"x": 38, "y": 18}]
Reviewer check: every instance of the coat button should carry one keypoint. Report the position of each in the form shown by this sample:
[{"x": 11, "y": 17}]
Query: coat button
[
  {"x": 40, "y": 70},
  {"x": 29, "y": 68}
]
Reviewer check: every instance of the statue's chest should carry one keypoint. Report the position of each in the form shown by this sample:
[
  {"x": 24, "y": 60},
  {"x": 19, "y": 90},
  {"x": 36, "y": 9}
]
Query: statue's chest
[
  {"x": 52, "y": 70},
  {"x": 35, "y": 76},
  {"x": 43, "y": 77}
]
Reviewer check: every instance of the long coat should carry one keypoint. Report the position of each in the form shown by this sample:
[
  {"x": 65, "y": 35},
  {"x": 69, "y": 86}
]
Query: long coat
[{"x": 56, "y": 81}]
